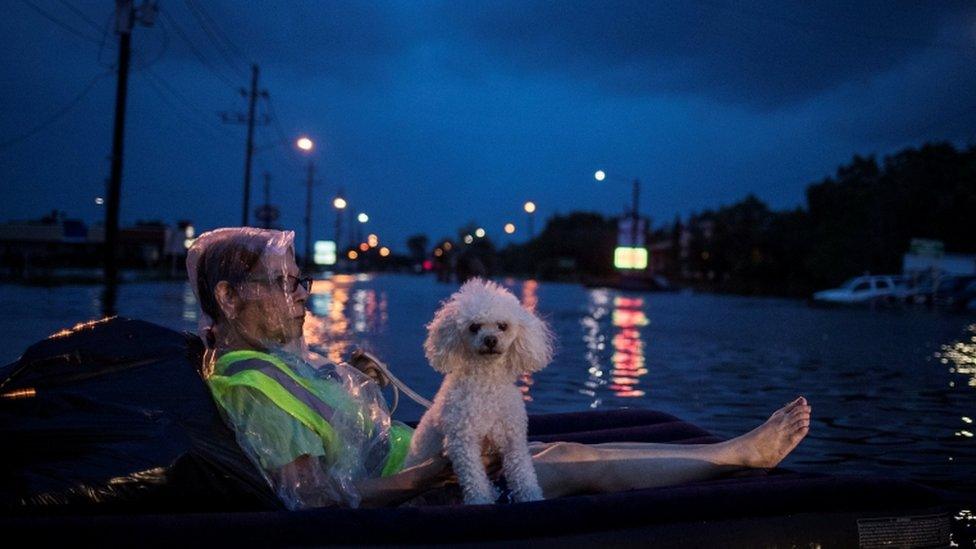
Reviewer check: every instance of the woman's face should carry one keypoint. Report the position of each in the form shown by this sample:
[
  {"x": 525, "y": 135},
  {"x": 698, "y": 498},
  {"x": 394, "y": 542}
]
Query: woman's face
[{"x": 272, "y": 308}]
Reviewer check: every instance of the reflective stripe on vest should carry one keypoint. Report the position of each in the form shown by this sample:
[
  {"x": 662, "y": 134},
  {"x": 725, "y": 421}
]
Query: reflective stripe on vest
[
  {"x": 297, "y": 397},
  {"x": 287, "y": 383},
  {"x": 270, "y": 376}
]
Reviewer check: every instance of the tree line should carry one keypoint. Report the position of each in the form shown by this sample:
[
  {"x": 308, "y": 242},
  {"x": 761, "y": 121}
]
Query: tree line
[{"x": 861, "y": 219}]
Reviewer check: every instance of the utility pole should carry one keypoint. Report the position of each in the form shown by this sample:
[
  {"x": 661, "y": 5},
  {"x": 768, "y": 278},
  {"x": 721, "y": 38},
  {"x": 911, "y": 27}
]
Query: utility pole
[
  {"x": 251, "y": 121},
  {"x": 125, "y": 16},
  {"x": 308, "y": 216}
]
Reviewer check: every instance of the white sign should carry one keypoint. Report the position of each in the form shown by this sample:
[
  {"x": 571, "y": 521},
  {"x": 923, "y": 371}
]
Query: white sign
[{"x": 325, "y": 252}]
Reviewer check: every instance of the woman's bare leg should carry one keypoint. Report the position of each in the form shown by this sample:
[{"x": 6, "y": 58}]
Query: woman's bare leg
[{"x": 566, "y": 468}]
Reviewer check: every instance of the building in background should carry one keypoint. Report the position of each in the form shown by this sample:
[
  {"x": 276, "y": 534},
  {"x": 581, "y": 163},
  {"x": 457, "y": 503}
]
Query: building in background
[{"x": 55, "y": 245}]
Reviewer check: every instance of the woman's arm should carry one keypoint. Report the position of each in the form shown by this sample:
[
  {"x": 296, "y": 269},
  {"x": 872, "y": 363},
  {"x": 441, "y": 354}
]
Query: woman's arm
[
  {"x": 394, "y": 489},
  {"x": 303, "y": 483}
]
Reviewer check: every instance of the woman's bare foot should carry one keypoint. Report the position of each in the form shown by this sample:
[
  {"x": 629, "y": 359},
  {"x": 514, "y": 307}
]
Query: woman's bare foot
[{"x": 768, "y": 444}]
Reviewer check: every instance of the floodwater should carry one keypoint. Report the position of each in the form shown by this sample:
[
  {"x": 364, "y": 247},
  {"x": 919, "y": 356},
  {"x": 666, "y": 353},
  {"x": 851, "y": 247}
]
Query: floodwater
[{"x": 893, "y": 392}]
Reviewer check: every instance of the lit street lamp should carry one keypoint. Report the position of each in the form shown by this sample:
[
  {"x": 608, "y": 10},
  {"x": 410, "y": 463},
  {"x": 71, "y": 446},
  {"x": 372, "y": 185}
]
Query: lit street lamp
[{"x": 509, "y": 228}]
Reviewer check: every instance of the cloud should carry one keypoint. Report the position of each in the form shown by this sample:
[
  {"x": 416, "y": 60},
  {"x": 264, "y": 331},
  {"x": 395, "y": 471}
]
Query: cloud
[{"x": 766, "y": 57}]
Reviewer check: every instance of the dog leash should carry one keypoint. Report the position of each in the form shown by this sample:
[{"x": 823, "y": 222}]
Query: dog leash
[{"x": 394, "y": 381}]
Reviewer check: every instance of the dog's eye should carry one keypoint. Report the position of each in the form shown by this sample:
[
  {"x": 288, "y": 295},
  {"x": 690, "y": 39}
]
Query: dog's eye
[
  {"x": 474, "y": 328},
  {"x": 502, "y": 326}
]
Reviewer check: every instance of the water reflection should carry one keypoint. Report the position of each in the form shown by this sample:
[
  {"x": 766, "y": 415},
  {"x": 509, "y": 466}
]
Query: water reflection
[
  {"x": 337, "y": 313},
  {"x": 627, "y": 317},
  {"x": 628, "y": 347},
  {"x": 960, "y": 357},
  {"x": 529, "y": 301},
  {"x": 595, "y": 342},
  {"x": 189, "y": 304}
]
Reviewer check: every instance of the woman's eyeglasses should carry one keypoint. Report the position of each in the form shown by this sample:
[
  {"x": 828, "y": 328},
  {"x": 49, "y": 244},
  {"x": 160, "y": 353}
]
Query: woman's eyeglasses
[{"x": 288, "y": 284}]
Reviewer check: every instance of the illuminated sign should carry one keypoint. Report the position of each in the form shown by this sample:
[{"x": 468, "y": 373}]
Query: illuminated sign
[
  {"x": 630, "y": 258},
  {"x": 325, "y": 252}
]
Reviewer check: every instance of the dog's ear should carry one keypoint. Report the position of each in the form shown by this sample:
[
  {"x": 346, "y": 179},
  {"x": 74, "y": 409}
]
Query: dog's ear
[
  {"x": 532, "y": 349},
  {"x": 443, "y": 344}
]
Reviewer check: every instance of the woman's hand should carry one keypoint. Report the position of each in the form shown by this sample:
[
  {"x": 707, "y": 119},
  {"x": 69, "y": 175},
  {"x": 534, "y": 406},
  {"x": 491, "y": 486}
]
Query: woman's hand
[
  {"x": 394, "y": 489},
  {"x": 365, "y": 363}
]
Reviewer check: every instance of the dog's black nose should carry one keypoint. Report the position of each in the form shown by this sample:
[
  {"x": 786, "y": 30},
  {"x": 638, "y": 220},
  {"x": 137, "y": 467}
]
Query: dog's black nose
[{"x": 491, "y": 341}]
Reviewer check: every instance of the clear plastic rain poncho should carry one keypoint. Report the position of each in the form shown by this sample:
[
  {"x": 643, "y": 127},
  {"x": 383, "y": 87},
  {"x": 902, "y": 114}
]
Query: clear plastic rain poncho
[{"x": 314, "y": 428}]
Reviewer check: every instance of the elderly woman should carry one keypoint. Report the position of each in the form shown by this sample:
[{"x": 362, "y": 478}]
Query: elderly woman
[{"x": 321, "y": 433}]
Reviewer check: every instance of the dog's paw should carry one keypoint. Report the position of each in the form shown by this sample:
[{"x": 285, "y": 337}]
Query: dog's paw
[
  {"x": 529, "y": 494},
  {"x": 479, "y": 499}
]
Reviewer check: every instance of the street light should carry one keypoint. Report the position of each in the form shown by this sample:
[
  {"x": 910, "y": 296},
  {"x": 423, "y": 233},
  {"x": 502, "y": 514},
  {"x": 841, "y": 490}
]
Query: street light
[
  {"x": 530, "y": 209},
  {"x": 480, "y": 233},
  {"x": 306, "y": 145},
  {"x": 509, "y": 228},
  {"x": 363, "y": 218}
]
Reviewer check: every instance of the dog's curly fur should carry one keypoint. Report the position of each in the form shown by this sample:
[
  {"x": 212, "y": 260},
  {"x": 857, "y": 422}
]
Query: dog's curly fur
[{"x": 482, "y": 339}]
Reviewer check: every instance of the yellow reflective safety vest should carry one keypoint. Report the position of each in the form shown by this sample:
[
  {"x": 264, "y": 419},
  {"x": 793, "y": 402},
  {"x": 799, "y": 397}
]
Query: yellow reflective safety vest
[{"x": 312, "y": 402}]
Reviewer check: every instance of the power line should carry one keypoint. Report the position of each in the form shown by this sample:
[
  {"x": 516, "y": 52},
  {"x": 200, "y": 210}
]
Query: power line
[
  {"x": 212, "y": 37},
  {"x": 158, "y": 85},
  {"x": 60, "y": 23},
  {"x": 186, "y": 102},
  {"x": 230, "y": 43},
  {"x": 274, "y": 119},
  {"x": 82, "y": 15},
  {"x": 104, "y": 39},
  {"x": 57, "y": 114},
  {"x": 162, "y": 51},
  {"x": 196, "y": 52}
]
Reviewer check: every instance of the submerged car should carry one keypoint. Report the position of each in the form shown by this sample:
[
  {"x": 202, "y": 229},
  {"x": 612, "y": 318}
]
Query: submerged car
[{"x": 864, "y": 290}]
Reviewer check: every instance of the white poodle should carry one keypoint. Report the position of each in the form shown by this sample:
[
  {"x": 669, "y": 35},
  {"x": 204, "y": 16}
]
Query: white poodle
[{"x": 482, "y": 339}]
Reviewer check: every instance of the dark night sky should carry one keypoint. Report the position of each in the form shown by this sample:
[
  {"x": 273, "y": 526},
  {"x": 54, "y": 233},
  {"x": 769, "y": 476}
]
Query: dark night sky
[{"x": 434, "y": 114}]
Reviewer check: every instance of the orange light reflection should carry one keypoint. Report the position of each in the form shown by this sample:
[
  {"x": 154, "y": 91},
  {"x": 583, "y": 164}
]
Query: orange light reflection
[
  {"x": 529, "y": 301},
  {"x": 628, "y": 347}
]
